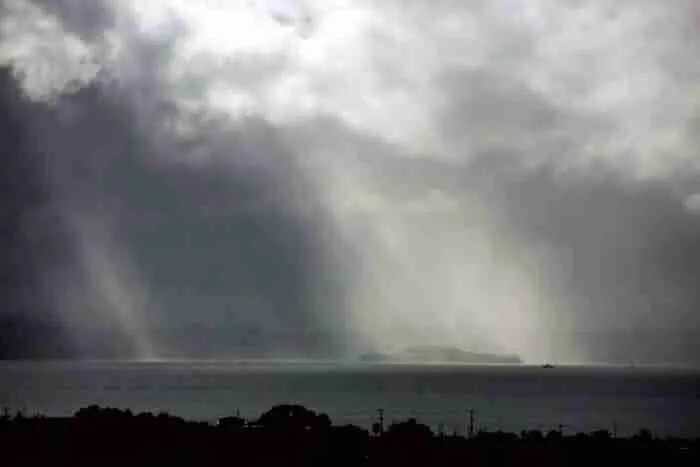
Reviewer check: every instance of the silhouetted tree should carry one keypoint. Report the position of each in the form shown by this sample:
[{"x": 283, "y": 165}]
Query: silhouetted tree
[{"x": 292, "y": 418}]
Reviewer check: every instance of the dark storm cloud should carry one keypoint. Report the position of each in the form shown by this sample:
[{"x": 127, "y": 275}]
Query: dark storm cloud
[
  {"x": 223, "y": 250},
  {"x": 231, "y": 250},
  {"x": 226, "y": 251},
  {"x": 30, "y": 243},
  {"x": 524, "y": 178},
  {"x": 41, "y": 251}
]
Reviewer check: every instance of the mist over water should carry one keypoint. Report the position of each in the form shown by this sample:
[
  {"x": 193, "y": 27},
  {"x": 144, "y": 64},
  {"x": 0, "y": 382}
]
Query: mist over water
[{"x": 312, "y": 179}]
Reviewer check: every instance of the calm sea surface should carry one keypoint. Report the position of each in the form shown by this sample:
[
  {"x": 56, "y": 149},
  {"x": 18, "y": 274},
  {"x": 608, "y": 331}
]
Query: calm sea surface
[{"x": 512, "y": 398}]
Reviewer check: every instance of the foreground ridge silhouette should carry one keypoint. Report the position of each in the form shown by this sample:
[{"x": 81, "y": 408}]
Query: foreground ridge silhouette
[{"x": 292, "y": 435}]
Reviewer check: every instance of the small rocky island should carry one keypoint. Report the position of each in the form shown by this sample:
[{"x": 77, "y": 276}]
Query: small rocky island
[{"x": 438, "y": 354}]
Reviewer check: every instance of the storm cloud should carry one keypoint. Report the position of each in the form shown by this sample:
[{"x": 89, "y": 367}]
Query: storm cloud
[{"x": 301, "y": 178}]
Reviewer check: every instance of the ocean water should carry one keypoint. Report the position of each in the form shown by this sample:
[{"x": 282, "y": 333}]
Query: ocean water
[{"x": 511, "y": 398}]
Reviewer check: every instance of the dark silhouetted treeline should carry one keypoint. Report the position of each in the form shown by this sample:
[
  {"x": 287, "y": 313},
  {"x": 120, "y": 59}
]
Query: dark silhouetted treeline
[{"x": 291, "y": 435}]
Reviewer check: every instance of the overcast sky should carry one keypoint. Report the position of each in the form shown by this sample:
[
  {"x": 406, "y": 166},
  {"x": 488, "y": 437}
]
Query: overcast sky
[{"x": 321, "y": 178}]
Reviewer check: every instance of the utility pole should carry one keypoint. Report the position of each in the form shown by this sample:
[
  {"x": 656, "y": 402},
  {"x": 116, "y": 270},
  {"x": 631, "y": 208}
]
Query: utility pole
[
  {"x": 471, "y": 423},
  {"x": 378, "y": 426}
]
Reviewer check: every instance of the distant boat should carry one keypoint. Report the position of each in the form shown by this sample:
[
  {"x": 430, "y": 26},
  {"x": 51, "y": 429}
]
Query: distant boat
[{"x": 547, "y": 365}]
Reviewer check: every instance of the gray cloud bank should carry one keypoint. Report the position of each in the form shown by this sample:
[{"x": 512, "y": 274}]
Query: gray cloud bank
[{"x": 507, "y": 176}]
